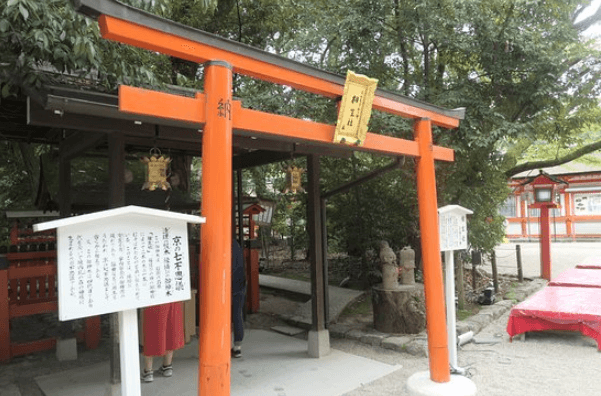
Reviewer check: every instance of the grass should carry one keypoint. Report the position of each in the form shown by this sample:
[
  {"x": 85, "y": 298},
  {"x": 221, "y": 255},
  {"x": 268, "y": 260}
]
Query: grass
[
  {"x": 510, "y": 294},
  {"x": 467, "y": 311}
]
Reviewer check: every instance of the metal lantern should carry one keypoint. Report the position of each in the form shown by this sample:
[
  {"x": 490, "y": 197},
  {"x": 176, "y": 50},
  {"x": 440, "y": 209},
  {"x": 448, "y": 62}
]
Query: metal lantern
[
  {"x": 156, "y": 171},
  {"x": 294, "y": 180}
]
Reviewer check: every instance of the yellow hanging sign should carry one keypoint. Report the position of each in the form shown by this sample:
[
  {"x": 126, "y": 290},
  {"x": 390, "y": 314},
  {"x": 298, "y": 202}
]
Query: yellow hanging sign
[
  {"x": 294, "y": 180},
  {"x": 156, "y": 171},
  {"x": 355, "y": 109}
]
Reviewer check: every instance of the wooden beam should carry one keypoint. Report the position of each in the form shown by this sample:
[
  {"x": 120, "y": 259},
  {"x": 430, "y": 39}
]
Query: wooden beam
[
  {"x": 66, "y": 119},
  {"x": 282, "y": 72},
  {"x": 256, "y": 123},
  {"x": 164, "y": 105},
  {"x": 80, "y": 142},
  {"x": 257, "y": 158},
  {"x": 259, "y": 123}
]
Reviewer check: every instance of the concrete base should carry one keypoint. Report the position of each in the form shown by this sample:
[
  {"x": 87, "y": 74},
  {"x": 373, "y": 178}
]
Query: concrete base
[
  {"x": 112, "y": 390},
  {"x": 420, "y": 384},
  {"x": 319, "y": 343},
  {"x": 66, "y": 349}
]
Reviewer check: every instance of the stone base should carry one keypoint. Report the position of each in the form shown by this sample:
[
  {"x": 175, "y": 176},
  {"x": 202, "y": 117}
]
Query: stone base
[
  {"x": 319, "y": 343},
  {"x": 112, "y": 390},
  {"x": 420, "y": 384},
  {"x": 66, "y": 349}
]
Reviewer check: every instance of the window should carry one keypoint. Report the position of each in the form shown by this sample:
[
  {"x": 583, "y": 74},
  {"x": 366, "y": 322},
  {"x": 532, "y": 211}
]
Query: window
[{"x": 508, "y": 209}]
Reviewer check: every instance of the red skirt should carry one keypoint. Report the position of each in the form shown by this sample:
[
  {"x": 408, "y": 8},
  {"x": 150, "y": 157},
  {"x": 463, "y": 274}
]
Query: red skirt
[{"x": 163, "y": 329}]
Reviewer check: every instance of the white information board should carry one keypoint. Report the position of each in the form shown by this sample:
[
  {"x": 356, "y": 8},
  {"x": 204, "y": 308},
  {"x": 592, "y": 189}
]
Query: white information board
[
  {"x": 120, "y": 262},
  {"x": 452, "y": 222}
]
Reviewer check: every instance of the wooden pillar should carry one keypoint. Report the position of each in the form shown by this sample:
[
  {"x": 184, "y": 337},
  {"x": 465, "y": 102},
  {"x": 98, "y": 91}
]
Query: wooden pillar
[
  {"x": 315, "y": 244},
  {"x": 4, "y": 313},
  {"x": 64, "y": 183},
  {"x": 216, "y": 236},
  {"x": 116, "y": 147},
  {"x": 433, "y": 285}
]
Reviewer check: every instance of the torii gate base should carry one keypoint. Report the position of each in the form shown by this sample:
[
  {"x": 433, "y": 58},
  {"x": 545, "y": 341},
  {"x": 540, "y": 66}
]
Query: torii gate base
[{"x": 420, "y": 384}]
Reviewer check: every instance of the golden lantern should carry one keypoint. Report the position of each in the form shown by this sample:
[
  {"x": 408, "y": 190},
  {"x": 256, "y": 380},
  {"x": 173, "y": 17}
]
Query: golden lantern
[
  {"x": 294, "y": 180},
  {"x": 156, "y": 171}
]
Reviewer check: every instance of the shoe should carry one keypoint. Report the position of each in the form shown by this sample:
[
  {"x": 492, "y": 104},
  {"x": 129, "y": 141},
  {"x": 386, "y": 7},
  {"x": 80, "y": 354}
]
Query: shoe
[
  {"x": 236, "y": 352},
  {"x": 147, "y": 376},
  {"x": 167, "y": 371}
]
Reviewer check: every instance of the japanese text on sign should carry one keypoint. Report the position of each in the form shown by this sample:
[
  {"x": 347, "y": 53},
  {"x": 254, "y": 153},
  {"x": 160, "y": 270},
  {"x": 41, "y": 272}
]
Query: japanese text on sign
[
  {"x": 453, "y": 232},
  {"x": 119, "y": 268},
  {"x": 355, "y": 109}
]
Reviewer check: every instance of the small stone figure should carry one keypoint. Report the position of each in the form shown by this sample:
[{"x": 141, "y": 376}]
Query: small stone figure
[
  {"x": 407, "y": 262},
  {"x": 389, "y": 267}
]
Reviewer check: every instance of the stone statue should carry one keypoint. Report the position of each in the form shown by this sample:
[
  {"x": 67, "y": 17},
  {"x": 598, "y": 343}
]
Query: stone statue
[
  {"x": 407, "y": 263},
  {"x": 389, "y": 267}
]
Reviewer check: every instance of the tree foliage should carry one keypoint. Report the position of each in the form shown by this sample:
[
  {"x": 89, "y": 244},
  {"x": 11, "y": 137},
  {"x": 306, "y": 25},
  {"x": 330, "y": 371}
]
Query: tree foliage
[{"x": 521, "y": 68}]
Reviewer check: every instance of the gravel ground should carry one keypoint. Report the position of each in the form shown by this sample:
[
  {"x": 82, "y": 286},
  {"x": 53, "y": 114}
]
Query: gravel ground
[{"x": 549, "y": 363}]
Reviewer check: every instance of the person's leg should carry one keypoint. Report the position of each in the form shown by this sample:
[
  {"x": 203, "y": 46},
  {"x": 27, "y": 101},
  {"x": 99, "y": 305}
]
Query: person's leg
[
  {"x": 147, "y": 375},
  {"x": 148, "y": 363},
  {"x": 238, "y": 323},
  {"x": 168, "y": 358},
  {"x": 167, "y": 368}
]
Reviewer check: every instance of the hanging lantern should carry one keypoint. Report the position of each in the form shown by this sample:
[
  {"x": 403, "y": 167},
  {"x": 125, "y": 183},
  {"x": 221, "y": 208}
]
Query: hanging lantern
[
  {"x": 156, "y": 171},
  {"x": 294, "y": 180}
]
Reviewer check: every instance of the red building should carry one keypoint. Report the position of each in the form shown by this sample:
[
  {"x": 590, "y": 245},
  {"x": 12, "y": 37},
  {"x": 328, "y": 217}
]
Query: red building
[{"x": 578, "y": 218}]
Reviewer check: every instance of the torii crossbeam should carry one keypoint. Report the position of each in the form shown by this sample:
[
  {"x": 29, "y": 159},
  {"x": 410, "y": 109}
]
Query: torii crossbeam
[{"x": 219, "y": 116}]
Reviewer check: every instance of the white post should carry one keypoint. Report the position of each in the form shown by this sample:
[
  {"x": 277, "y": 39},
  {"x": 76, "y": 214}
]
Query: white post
[
  {"x": 129, "y": 351},
  {"x": 450, "y": 297}
]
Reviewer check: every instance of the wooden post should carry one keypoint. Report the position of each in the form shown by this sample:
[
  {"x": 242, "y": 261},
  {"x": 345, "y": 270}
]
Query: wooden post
[
  {"x": 545, "y": 244},
  {"x": 315, "y": 243},
  {"x": 4, "y": 317},
  {"x": 216, "y": 236},
  {"x": 433, "y": 285},
  {"x": 518, "y": 253},
  {"x": 116, "y": 147},
  {"x": 459, "y": 285},
  {"x": 495, "y": 276},
  {"x": 324, "y": 249}
]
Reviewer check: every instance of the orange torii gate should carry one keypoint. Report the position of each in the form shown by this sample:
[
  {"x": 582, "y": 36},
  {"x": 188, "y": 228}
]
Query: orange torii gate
[{"x": 221, "y": 115}]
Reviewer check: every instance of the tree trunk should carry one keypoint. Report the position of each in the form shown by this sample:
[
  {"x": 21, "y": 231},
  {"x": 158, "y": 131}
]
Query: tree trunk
[{"x": 399, "y": 311}]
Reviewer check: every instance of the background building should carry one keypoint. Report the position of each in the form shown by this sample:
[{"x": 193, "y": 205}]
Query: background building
[{"x": 578, "y": 218}]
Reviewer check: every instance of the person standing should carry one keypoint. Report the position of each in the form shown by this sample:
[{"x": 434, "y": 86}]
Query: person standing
[
  {"x": 238, "y": 297},
  {"x": 163, "y": 333}
]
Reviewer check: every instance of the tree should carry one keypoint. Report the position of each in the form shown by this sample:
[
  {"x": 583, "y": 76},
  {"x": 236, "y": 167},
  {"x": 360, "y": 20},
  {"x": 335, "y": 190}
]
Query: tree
[{"x": 520, "y": 68}]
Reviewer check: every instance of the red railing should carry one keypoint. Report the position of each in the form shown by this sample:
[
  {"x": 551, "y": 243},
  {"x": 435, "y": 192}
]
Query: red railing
[{"x": 28, "y": 287}]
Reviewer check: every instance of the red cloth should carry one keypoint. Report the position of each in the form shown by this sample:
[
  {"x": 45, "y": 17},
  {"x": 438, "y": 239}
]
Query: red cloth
[
  {"x": 559, "y": 308},
  {"x": 163, "y": 328},
  {"x": 578, "y": 277}
]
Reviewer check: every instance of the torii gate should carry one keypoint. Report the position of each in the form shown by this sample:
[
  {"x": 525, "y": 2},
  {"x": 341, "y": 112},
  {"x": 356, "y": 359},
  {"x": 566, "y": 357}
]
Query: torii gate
[{"x": 220, "y": 115}]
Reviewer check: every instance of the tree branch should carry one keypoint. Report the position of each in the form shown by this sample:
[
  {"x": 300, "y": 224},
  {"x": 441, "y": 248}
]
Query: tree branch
[
  {"x": 589, "y": 21},
  {"x": 554, "y": 162}
]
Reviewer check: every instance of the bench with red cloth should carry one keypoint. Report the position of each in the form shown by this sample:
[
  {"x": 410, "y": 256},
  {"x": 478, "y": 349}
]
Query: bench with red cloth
[
  {"x": 571, "y": 301},
  {"x": 559, "y": 308},
  {"x": 578, "y": 277}
]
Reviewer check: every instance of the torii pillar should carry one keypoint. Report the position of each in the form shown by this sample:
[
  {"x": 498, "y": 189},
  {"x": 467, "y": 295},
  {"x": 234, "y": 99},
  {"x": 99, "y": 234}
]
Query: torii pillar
[
  {"x": 215, "y": 276},
  {"x": 438, "y": 381}
]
